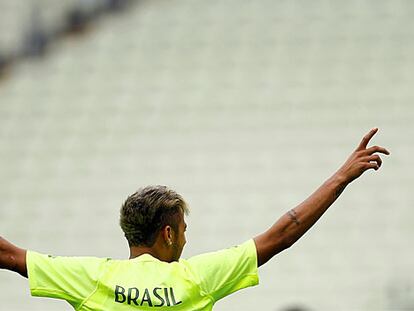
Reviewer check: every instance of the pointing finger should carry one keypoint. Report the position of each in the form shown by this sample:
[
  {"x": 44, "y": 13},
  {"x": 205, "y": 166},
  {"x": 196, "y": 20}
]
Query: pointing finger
[{"x": 364, "y": 142}]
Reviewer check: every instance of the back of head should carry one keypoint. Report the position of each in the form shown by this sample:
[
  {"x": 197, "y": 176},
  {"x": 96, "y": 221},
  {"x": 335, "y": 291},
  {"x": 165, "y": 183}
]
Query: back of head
[{"x": 147, "y": 211}]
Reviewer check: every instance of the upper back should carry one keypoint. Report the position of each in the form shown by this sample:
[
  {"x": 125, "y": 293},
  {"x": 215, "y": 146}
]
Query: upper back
[{"x": 145, "y": 282}]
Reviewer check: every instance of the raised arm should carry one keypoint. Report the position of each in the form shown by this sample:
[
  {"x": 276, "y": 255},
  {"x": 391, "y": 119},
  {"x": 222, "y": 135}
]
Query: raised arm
[
  {"x": 12, "y": 258},
  {"x": 292, "y": 225}
]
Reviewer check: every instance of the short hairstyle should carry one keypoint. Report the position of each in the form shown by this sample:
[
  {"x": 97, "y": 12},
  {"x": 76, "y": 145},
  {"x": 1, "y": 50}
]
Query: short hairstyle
[{"x": 147, "y": 211}]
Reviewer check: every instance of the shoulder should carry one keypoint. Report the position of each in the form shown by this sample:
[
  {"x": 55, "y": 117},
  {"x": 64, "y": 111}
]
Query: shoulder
[
  {"x": 222, "y": 272},
  {"x": 37, "y": 261},
  {"x": 239, "y": 255},
  {"x": 248, "y": 249}
]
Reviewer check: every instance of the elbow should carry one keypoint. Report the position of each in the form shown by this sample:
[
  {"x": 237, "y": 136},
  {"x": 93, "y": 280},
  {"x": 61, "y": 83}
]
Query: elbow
[
  {"x": 286, "y": 246},
  {"x": 282, "y": 244}
]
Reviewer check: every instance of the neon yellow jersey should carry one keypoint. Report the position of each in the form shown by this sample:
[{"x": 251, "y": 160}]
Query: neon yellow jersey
[{"x": 143, "y": 283}]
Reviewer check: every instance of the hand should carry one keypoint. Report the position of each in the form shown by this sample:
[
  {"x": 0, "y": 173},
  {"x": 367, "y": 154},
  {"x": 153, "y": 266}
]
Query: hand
[{"x": 362, "y": 159}]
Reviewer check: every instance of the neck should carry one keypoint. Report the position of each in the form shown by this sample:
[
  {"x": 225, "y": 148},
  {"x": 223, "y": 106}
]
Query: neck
[{"x": 135, "y": 251}]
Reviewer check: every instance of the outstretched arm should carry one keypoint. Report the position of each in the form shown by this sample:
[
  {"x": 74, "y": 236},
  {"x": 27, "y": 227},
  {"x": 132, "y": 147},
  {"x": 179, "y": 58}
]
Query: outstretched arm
[
  {"x": 12, "y": 258},
  {"x": 292, "y": 225}
]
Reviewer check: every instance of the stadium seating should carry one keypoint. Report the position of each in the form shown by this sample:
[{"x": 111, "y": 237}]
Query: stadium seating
[{"x": 244, "y": 107}]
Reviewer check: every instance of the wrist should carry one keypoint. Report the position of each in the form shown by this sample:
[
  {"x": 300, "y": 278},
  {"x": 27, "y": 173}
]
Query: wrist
[
  {"x": 337, "y": 183},
  {"x": 339, "y": 179}
]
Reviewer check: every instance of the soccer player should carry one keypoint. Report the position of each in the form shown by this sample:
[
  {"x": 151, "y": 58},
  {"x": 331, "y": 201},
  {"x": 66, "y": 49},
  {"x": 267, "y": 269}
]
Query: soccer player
[{"x": 154, "y": 277}]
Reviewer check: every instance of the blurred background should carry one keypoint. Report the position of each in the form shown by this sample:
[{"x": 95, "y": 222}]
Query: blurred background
[{"x": 243, "y": 107}]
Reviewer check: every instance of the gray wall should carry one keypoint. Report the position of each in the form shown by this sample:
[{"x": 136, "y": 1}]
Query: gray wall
[{"x": 244, "y": 107}]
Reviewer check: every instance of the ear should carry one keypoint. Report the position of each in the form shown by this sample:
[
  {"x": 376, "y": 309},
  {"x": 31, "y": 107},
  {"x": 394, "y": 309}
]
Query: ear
[{"x": 168, "y": 235}]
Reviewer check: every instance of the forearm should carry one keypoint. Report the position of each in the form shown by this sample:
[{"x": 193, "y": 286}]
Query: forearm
[{"x": 296, "y": 222}]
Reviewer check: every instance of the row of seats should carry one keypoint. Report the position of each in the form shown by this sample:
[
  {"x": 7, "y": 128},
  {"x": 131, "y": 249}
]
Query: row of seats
[{"x": 245, "y": 109}]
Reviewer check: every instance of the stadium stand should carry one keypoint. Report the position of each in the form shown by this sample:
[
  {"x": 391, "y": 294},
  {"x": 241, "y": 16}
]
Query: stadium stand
[{"x": 244, "y": 107}]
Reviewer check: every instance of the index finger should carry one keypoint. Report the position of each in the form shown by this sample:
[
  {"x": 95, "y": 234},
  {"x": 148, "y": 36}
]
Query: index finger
[{"x": 364, "y": 142}]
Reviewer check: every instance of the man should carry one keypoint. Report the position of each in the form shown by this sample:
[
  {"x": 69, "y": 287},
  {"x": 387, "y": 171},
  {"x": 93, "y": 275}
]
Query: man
[{"x": 155, "y": 277}]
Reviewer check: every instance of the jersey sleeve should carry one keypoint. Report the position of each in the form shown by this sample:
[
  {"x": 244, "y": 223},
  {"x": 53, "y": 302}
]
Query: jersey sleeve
[
  {"x": 70, "y": 278},
  {"x": 224, "y": 272}
]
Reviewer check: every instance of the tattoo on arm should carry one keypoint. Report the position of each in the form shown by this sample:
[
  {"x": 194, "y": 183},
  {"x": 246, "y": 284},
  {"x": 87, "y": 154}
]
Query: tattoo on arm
[{"x": 292, "y": 215}]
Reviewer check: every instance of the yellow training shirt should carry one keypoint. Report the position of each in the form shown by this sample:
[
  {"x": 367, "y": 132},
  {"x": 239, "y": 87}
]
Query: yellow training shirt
[{"x": 143, "y": 283}]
